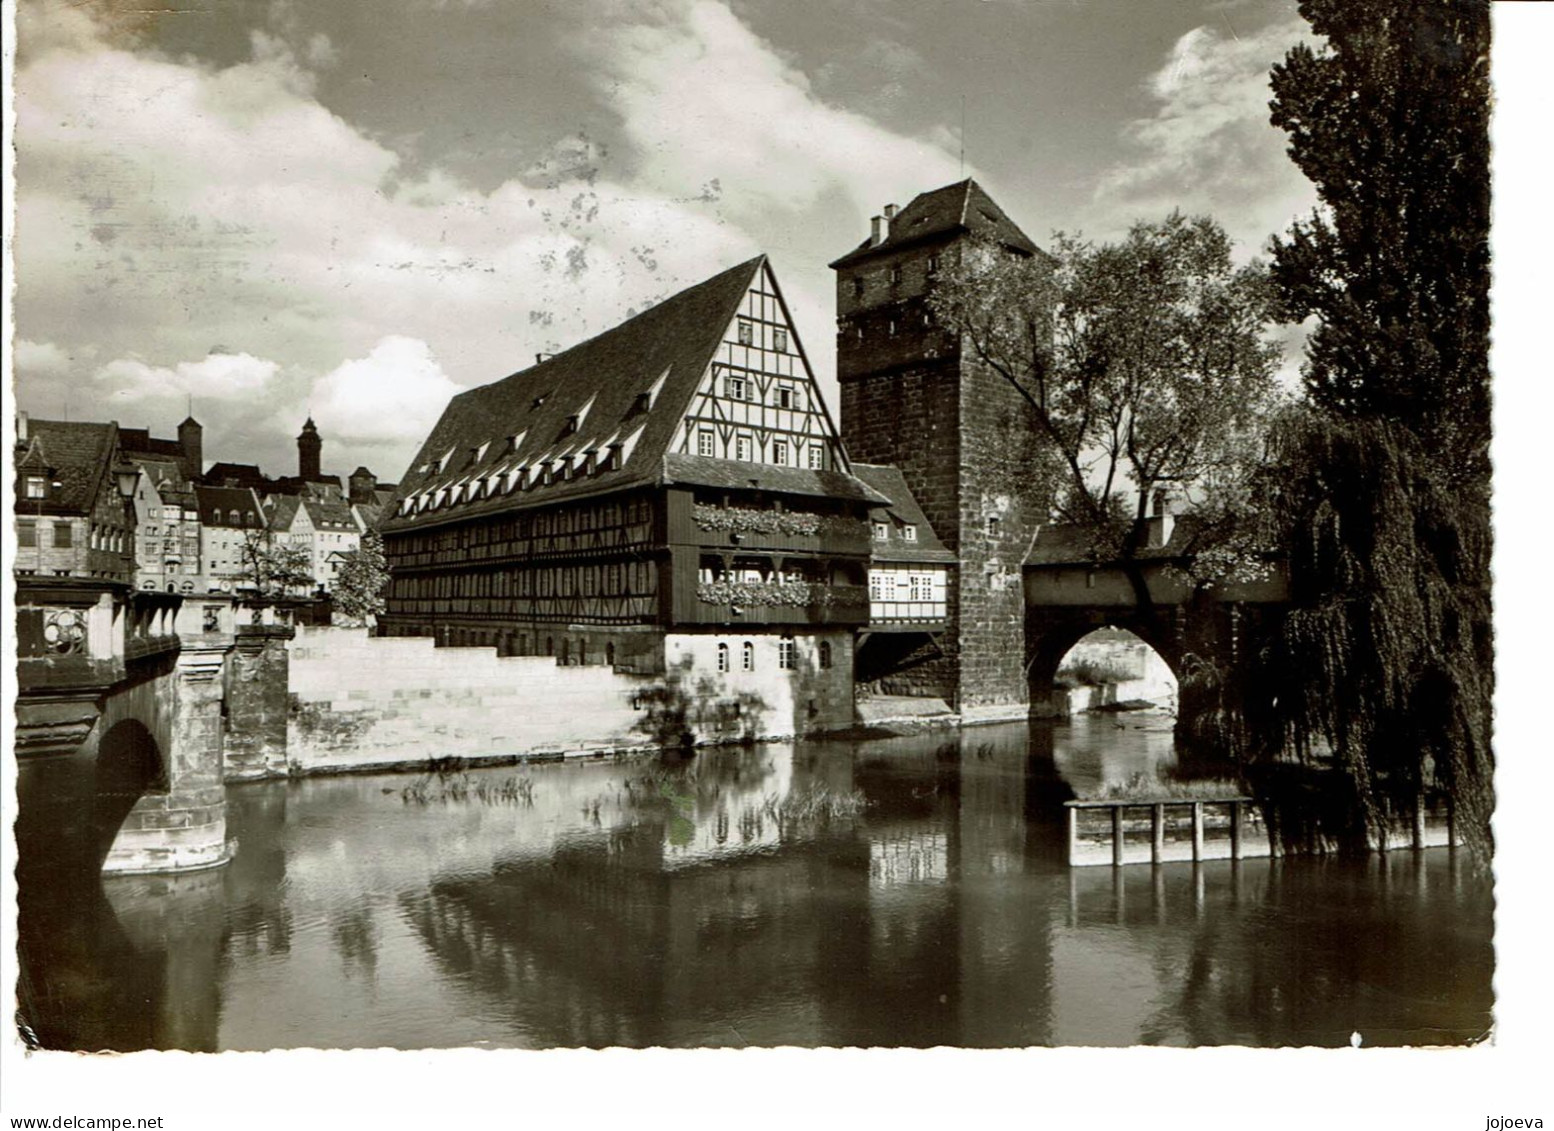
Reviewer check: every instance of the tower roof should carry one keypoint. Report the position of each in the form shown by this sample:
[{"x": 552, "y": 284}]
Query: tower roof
[
  {"x": 963, "y": 207},
  {"x": 309, "y": 426}
]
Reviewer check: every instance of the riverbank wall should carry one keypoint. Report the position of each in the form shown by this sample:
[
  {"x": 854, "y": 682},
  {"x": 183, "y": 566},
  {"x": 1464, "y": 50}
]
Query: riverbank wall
[{"x": 359, "y": 702}]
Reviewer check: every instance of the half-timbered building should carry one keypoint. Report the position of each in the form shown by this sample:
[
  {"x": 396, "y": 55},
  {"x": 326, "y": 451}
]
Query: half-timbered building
[{"x": 670, "y": 494}]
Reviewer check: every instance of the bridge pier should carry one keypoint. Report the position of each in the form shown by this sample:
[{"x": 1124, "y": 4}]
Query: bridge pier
[
  {"x": 183, "y": 825},
  {"x": 257, "y": 702}
]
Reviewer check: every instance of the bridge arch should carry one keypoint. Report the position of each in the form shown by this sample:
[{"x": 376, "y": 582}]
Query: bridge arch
[
  {"x": 1051, "y": 634},
  {"x": 130, "y": 763}
]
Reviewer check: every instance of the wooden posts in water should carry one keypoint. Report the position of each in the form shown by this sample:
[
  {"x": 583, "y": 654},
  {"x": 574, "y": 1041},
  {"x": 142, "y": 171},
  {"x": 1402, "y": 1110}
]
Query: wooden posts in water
[{"x": 1093, "y": 849}]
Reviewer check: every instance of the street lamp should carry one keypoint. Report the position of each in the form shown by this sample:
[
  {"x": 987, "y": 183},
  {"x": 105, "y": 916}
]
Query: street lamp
[{"x": 127, "y": 477}]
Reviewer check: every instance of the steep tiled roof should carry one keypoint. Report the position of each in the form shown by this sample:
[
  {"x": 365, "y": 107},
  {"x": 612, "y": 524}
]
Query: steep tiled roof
[
  {"x": 237, "y": 474},
  {"x": 139, "y": 442},
  {"x": 329, "y": 514},
  {"x": 581, "y": 401},
  {"x": 903, "y": 509},
  {"x": 281, "y": 510},
  {"x": 961, "y": 207},
  {"x": 1071, "y": 543},
  {"x": 217, "y": 505},
  {"x": 705, "y": 471},
  {"x": 80, "y": 458}
]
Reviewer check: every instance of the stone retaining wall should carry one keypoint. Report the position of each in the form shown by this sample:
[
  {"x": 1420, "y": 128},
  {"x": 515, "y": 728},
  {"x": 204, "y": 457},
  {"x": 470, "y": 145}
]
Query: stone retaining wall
[{"x": 360, "y": 702}]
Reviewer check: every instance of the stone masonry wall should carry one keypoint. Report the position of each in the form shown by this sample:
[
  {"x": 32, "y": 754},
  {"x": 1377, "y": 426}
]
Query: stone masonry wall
[
  {"x": 359, "y": 702},
  {"x": 995, "y": 535},
  {"x": 778, "y": 702}
]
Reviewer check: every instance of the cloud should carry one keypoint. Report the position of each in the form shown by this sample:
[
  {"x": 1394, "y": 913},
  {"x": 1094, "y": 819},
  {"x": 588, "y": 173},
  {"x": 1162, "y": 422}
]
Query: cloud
[
  {"x": 1209, "y": 147},
  {"x": 167, "y": 204},
  {"x": 42, "y": 358},
  {"x": 385, "y": 397},
  {"x": 217, "y": 377}
]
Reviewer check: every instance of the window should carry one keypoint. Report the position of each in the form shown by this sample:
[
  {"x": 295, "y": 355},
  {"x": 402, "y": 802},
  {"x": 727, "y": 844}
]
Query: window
[
  {"x": 895, "y": 275},
  {"x": 35, "y": 487},
  {"x": 705, "y": 445},
  {"x": 747, "y": 656},
  {"x": 920, "y": 587},
  {"x": 746, "y": 333},
  {"x": 787, "y": 654},
  {"x": 735, "y": 388},
  {"x": 26, "y": 534},
  {"x": 992, "y": 526},
  {"x": 780, "y": 340},
  {"x": 933, "y": 264},
  {"x": 742, "y": 448},
  {"x": 881, "y": 531},
  {"x": 892, "y": 327},
  {"x": 63, "y": 536},
  {"x": 779, "y": 452},
  {"x": 825, "y": 653},
  {"x": 785, "y": 397},
  {"x": 212, "y": 619},
  {"x": 909, "y": 533},
  {"x": 817, "y": 457},
  {"x": 876, "y": 585},
  {"x": 722, "y": 657},
  {"x": 858, "y": 289}
]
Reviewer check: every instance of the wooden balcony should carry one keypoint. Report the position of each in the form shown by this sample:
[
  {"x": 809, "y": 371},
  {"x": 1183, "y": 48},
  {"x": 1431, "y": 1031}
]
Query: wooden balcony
[{"x": 839, "y": 605}]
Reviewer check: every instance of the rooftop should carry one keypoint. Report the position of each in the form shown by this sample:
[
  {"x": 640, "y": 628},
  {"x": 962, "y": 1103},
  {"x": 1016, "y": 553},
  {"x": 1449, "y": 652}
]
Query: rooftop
[{"x": 963, "y": 207}]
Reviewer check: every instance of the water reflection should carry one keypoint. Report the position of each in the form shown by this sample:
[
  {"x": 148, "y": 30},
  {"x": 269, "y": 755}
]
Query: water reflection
[{"x": 900, "y": 892}]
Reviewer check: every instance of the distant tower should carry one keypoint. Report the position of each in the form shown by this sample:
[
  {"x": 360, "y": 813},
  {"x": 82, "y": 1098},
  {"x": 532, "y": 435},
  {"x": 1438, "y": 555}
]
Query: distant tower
[
  {"x": 309, "y": 452},
  {"x": 362, "y": 485},
  {"x": 912, "y": 399},
  {"x": 191, "y": 438}
]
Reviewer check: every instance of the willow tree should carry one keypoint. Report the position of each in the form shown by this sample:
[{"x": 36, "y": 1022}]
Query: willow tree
[
  {"x": 1383, "y": 669},
  {"x": 1144, "y": 363}
]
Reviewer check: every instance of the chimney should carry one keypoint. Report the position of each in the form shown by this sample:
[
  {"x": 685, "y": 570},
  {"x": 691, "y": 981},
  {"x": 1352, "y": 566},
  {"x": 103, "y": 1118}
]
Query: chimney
[
  {"x": 542, "y": 357},
  {"x": 879, "y": 226},
  {"x": 1160, "y": 525},
  {"x": 21, "y": 427}
]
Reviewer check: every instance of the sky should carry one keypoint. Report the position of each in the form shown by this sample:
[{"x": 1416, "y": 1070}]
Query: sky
[{"x": 265, "y": 209}]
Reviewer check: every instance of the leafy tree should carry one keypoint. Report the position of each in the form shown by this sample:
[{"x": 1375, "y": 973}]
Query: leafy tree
[
  {"x": 1383, "y": 668},
  {"x": 1390, "y": 121},
  {"x": 1144, "y": 364},
  {"x": 362, "y": 582},
  {"x": 274, "y": 569}
]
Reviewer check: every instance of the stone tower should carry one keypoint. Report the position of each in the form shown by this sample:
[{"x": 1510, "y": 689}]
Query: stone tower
[
  {"x": 309, "y": 452},
  {"x": 362, "y": 483},
  {"x": 191, "y": 438},
  {"x": 911, "y": 398}
]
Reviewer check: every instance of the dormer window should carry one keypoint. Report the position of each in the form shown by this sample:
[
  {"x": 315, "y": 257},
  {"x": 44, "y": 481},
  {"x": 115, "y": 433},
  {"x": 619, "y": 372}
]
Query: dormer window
[
  {"x": 643, "y": 402},
  {"x": 37, "y": 487},
  {"x": 570, "y": 426},
  {"x": 539, "y": 400},
  {"x": 780, "y": 340},
  {"x": 746, "y": 333},
  {"x": 590, "y": 462},
  {"x": 909, "y": 533},
  {"x": 881, "y": 531},
  {"x": 547, "y": 471}
]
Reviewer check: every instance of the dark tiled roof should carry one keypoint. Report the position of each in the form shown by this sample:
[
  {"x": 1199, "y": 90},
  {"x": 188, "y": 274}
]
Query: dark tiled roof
[
  {"x": 674, "y": 340},
  {"x": 281, "y": 510},
  {"x": 371, "y": 515},
  {"x": 139, "y": 442},
  {"x": 961, "y": 207},
  {"x": 237, "y": 474},
  {"x": 705, "y": 471},
  {"x": 218, "y": 503},
  {"x": 903, "y": 509},
  {"x": 329, "y": 514},
  {"x": 1072, "y": 543},
  {"x": 79, "y": 456}
]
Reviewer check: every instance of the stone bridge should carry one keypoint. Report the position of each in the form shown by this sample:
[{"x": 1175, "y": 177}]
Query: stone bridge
[
  {"x": 118, "y": 733},
  {"x": 1067, "y": 597}
]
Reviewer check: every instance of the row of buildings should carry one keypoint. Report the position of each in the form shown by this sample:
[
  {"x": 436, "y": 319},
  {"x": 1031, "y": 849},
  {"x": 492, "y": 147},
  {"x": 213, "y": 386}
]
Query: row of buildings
[
  {"x": 676, "y": 492},
  {"x": 98, "y": 501}
]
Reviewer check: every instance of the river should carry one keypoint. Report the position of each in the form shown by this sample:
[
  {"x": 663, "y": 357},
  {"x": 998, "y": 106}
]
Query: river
[{"x": 904, "y": 891}]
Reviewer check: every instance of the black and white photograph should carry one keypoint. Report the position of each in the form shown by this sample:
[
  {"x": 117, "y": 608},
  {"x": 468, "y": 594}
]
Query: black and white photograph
[{"x": 765, "y": 524}]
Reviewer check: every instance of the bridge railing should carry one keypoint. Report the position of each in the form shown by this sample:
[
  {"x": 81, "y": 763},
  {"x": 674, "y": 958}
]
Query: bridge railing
[{"x": 81, "y": 631}]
